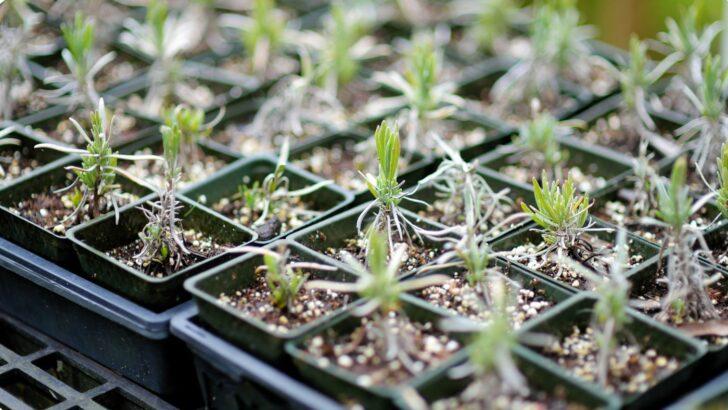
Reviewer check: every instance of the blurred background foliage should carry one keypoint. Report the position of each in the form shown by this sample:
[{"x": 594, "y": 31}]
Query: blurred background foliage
[{"x": 616, "y": 20}]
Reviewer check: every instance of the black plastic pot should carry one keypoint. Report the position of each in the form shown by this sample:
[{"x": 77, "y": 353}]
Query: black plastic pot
[
  {"x": 327, "y": 200},
  {"x": 231, "y": 378},
  {"x": 529, "y": 234},
  {"x": 577, "y": 311},
  {"x": 131, "y": 340},
  {"x": 539, "y": 375},
  {"x": 92, "y": 240},
  {"x": 341, "y": 383},
  {"x": 44, "y": 242},
  {"x": 253, "y": 335},
  {"x": 26, "y": 146},
  {"x": 716, "y": 237},
  {"x": 37, "y": 372},
  {"x": 713, "y": 395},
  {"x": 592, "y": 160},
  {"x": 336, "y": 230}
]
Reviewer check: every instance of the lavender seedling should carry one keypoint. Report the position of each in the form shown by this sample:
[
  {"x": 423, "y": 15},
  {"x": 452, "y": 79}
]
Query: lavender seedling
[
  {"x": 388, "y": 192},
  {"x": 422, "y": 96},
  {"x": 78, "y": 86},
  {"x": 636, "y": 78},
  {"x": 190, "y": 122},
  {"x": 706, "y": 133},
  {"x": 609, "y": 316},
  {"x": 267, "y": 197},
  {"x": 262, "y": 34},
  {"x": 558, "y": 44},
  {"x": 95, "y": 189},
  {"x": 491, "y": 20},
  {"x": 162, "y": 239},
  {"x": 379, "y": 285},
  {"x": 17, "y": 25},
  {"x": 687, "y": 281},
  {"x": 285, "y": 278}
]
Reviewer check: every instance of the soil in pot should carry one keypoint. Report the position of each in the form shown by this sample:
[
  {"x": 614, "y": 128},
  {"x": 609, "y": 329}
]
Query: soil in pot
[
  {"x": 360, "y": 352},
  {"x": 438, "y": 211},
  {"x": 51, "y": 210},
  {"x": 633, "y": 369},
  {"x": 308, "y": 306},
  {"x": 198, "y": 169},
  {"x": 524, "y": 167},
  {"x": 122, "y": 68},
  {"x": 200, "y": 246},
  {"x": 595, "y": 253},
  {"x": 60, "y": 128},
  {"x": 239, "y": 136},
  {"x": 15, "y": 163},
  {"x": 191, "y": 91},
  {"x": 613, "y": 131},
  {"x": 649, "y": 294},
  {"x": 460, "y": 298},
  {"x": 279, "y": 66}
]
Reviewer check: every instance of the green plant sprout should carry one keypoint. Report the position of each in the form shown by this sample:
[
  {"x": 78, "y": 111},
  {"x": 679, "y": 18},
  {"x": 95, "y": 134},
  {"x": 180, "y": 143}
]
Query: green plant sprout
[
  {"x": 388, "y": 193},
  {"x": 558, "y": 45},
  {"x": 262, "y": 34},
  {"x": 636, "y": 78},
  {"x": 690, "y": 45},
  {"x": 706, "y": 133},
  {"x": 562, "y": 215},
  {"x": 95, "y": 188},
  {"x": 267, "y": 196},
  {"x": 644, "y": 178},
  {"x": 293, "y": 103},
  {"x": 17, "y": 25},
  {"x": 687, "y": 281},
  {"x": 541, "y": 136},
  {"x": 285, "y": 278},
  {"x": 488, "y": 21},
  {"x": 380, "y": 287},
  {"x": 609, "y": 316},
  {"x": 193, "y": 129},
  {"x": 77, "y": 87},
  {"x": 162, "y": 239},
  {"x": 6, "y": 141},
  {"x": 163, "y": 37},
  {"x": 422, "y": 97},
  {"x": 466, "y": 192}
]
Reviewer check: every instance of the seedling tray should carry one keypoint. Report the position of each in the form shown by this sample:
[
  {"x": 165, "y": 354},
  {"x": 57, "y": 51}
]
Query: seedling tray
[
  {"x": 38, "y": 372},
  {"x": 129, "y": 339},
  {"x": 231, "y": 378}
]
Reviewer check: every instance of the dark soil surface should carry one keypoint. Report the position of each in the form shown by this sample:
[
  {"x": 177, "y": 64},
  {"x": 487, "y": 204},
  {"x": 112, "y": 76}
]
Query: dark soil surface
[
  {"x": 14, "y": 163},
  {"x": 525, "y": 167},
  {"x": 418, "y": 254}
]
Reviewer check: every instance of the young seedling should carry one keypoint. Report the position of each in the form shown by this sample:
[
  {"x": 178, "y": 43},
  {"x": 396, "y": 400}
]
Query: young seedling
[
  {"x": 636, "y": 78},
  {"x": 190, "y": 122},
  {"x": 379, "y": 285},
  {"x": 488, "y": 21},
  {"x": 644, "y": 178},
  {"x": 285, "y": 278},
  {"x": 609, "y": 317},
  {"x": 688, "y": 44},
  {"x": 262, "y": 34},
  {"x": 78, "y": 86},
  {"x": 163, "y": 37},
  {"x": 161, "y": 237},
  {"x": 562, "y": 215},
  {"x": 17, "y": 25},
  {"x": 466, "y": 192},
  {"x": 558, "y": 45},
  {"x": 422, "y": 96},
  {"x": 267, "y": 197},
  {"x": 95, "y": 189},
  {"x": 388, "y": 193},
  {"x": 687, "y": 281},
  {"x": 706, "y": 133}
]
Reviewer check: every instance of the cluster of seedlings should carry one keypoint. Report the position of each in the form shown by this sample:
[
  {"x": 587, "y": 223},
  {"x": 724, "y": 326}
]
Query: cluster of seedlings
[{"x": 487, "y": 242}]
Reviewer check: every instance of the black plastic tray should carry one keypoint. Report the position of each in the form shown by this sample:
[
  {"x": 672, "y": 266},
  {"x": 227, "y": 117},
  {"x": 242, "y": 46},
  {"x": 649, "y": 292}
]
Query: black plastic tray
[
  {"x": 234, "y": 379},
  {"x": 38, "y": 372},
  {"x": 117, "y": 333}
]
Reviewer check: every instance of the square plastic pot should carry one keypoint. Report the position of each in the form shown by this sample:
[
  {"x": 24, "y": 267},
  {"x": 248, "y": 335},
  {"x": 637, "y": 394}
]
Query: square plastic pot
[
  {"x": 592, "y": 160},
  {"x": 327, "y": 200},
  {"x": 92, "y": 240},
  {"x": 252, "y": 334},
  {"x": 26, "y": 146},
  {"x": 713, "y": 395},
  {"x": 44, "y": 242},
  {"x": 529, "y": 234},
  {"x": 232, "y": 378},
  {"x": 577, "y": 311},
  {"x": 341, "y": 383}
]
